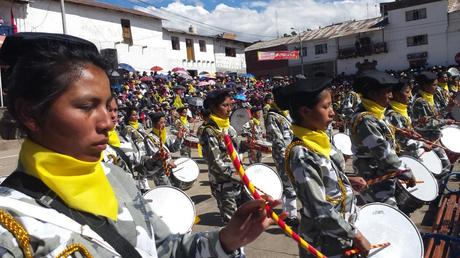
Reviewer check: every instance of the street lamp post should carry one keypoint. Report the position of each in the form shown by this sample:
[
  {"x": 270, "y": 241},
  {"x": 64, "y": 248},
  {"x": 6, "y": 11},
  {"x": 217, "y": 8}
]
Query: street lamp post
[{"x": 300, "y": 52}]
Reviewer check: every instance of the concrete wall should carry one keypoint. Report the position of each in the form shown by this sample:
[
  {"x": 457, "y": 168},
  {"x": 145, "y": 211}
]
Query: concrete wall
[
  {"x": 204, "y": 61},
  {"x": 228, "y": 63}
]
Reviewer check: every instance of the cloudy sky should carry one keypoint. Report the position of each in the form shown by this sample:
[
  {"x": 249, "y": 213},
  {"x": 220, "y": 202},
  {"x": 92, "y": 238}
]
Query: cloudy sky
[{"x": 254, "y": 20}]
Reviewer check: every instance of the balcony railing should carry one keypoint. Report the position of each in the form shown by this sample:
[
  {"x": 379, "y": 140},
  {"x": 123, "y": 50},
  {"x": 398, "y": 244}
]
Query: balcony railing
[
  {"x": 6, "y": 30},
  {"x": 363, "y": 50}
]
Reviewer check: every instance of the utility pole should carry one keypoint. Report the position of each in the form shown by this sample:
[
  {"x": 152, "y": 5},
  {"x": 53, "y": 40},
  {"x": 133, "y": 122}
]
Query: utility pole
[
  {"x": 64, "y": 26},
  {"x": 301, "y": 51}
]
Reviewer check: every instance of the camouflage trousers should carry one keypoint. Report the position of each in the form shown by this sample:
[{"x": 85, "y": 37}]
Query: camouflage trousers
[
  {"x": 329, "y": 246},
  {"x": 229, "y": 197},
  {"x": 289, "y": 195}
]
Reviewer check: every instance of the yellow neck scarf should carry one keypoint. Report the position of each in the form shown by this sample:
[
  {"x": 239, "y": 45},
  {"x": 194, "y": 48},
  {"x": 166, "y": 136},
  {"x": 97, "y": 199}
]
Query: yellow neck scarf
[
  {"x": 317, "y": 141},
  {"x": 183, "y": 120},
  {"x": 444, "y": 85},
  {"x": 114, "y": 140},
  {"x": 80, "y": 184},
  {"x": 134, "y": 124},
  {"x": 428, "y": 97},
  {"x": 178, "y": 102},
  {"x": 374, "y": 108},
  {"x": 256, "y": 121},
  {"x": 454, "y": 88},
  {"x": 161, "y": 134},
  {"x": 284, "y": 112},
  {"x": 221, "y": 123},
  {"x": 400, "y": 108}
]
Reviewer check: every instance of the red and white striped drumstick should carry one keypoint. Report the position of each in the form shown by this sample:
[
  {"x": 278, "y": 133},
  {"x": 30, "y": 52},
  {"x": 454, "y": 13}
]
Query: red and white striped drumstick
[
  {"x": 356, "y": 250},
  {"x": 236, "y": 162}
]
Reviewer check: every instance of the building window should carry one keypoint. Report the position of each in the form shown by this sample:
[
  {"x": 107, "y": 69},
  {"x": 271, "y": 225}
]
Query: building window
[
  {"x": 202, "y": 44},
  {"x": 416, "y": 14},
  {"x": 230, "y": 51},
  {"x": 304, "y": 50},
  {"x": 126, "y": 31},
  {"x": 321, "y": 49},
  {"x": 175, "y": 43},
  {"x": 417, "y": 40}
]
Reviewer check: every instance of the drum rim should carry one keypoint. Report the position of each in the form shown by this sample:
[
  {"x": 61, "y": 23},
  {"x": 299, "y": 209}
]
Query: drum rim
[
  {"x": 265, "y": 165},
  {"x": 188, "y": 197},
  {"x": 429, "y": 172},
  {"x": 440, "y": 138},
  {"x": 402, "y": 213},
  {"x": 428, "y": 153},
  {"x": 185, "y": 158}
]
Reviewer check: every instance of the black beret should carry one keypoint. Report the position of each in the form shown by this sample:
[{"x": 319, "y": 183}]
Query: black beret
[
  {"x": 373, "y": 79},
  {"x": 307, "y": 85},
  {"x": 212, "y": 96},
  {"x": 20, "y": 44},
  {"x": 280, "y": 98},
  {"x": 255, "y": 109},
  {"x": 155, "y": 116},
  {"x": 426, "y": 77},
  {"x": 268, "y": 96}
]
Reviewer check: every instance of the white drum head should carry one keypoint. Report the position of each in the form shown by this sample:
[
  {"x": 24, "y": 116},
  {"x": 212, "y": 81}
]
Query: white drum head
[
  {"x": 343, "y": 143},
  {"x": 431, "y": 161},
  {"x": 238, "y": 118},
  {"x": 173, "y": 206},
  {"x": 187, "y": 170},
  {"x": 450, "y": 138},
  {"x": 381, "y": 223},
  {"x": 456, "y": 110},
  {"x": 192, "y": 139},
  {"x": 265, "y": 179},
  {"x": 426, "y": 191}
]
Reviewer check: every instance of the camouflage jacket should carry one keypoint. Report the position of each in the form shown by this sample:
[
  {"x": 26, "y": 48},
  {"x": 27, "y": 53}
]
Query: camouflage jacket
[
  {"x": 220, "y": 165},
  {"x": 178, "y": 125},
  {"x": 252, "y": 130},
  {"x": 404, "y": 145},
  {"x": 426, "y": 119},
  {"x": 324, "y": 190},
  {"x": 51, "y": 232},
  {"x": 441, "y": 101},
  {"x": 279, "y": 132},
  {"x": 373, "y": 146},
  {"x": 136, "y": 137},
  {"x": 152, "y": 161},
  {"x": 349, "y": 104}
]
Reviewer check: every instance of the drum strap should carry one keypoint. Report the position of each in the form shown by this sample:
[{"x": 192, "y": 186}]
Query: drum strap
[{"x": 36, "y": 189}]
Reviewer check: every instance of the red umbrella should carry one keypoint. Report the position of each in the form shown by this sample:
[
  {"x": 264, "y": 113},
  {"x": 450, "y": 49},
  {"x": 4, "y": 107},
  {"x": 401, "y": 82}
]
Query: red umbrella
[
  {"x": 156, "y": 68},
  {"x": 175, "y": 69}
]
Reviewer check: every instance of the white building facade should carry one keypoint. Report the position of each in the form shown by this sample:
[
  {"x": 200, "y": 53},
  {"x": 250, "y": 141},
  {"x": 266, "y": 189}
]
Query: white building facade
[{"x": 126, "y": 35}]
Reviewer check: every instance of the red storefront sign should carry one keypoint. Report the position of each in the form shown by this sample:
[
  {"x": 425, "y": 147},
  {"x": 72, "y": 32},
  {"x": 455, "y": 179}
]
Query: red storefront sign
[{"x": 277, "y": 55}]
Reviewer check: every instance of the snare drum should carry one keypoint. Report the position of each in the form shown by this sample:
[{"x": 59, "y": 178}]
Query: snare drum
[
  {"x": 185, "y": 173},
  {"x": 262, "y": 146},
  {"x": 380, "y": 223},
  {"x": 450, "y": 138},
  {"x": 173, "y": 206},
  {"x": 410, "y": 199},
  {"x": 343, "y": 143},
  {"x": 191, "y": 142},
  {"x": 431, "y": 161},
  {"x": 265, "y": 180}
]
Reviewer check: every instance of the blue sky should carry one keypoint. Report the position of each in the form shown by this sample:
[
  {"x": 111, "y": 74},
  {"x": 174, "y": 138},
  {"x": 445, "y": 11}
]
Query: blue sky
[{"x": 253, "y": 20}]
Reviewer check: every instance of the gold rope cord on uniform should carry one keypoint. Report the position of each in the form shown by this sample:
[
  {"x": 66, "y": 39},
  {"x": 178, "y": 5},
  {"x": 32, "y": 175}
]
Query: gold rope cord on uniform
[
  {"x": 18, "y": 231},
  {"x": 333, "y": 201},
  {"x": 73, "y": 248},
  {"x": 390, "y": 135}
]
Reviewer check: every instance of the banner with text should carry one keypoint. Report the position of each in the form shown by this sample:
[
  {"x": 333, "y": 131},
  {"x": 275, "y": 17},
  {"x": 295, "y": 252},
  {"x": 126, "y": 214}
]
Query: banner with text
[{"x": 278, "y": 55}]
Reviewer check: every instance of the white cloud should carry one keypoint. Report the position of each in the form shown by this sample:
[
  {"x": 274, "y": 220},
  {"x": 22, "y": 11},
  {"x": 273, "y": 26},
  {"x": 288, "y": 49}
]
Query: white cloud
[{"x": 252, "y": 24}]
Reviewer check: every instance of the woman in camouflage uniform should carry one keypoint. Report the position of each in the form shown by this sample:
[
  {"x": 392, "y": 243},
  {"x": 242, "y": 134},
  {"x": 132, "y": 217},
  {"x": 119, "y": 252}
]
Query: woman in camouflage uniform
[
  {"x": 252, "y": 130},
  {"x": 225, "y": 184},
  {"x": 61, "y": 200},
  {"x": 374, "y": 145},
  {"x": 314, "y": 166}
]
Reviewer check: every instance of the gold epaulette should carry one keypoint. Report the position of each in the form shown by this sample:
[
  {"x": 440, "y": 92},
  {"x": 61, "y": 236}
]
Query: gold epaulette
[
  {"x": 73, "y": 248},
  {"x": 358, "y": 120},
  {"x": 18, "y": 231}
]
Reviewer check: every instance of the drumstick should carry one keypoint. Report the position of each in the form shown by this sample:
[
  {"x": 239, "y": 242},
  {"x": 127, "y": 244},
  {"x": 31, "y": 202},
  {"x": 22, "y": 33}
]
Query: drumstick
[
  {"x": 385, "y": 177},
  {"x": 417, "y": 182},
  {"x": 356, "y": 250},
  {"x": 236, "y": 162}
]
